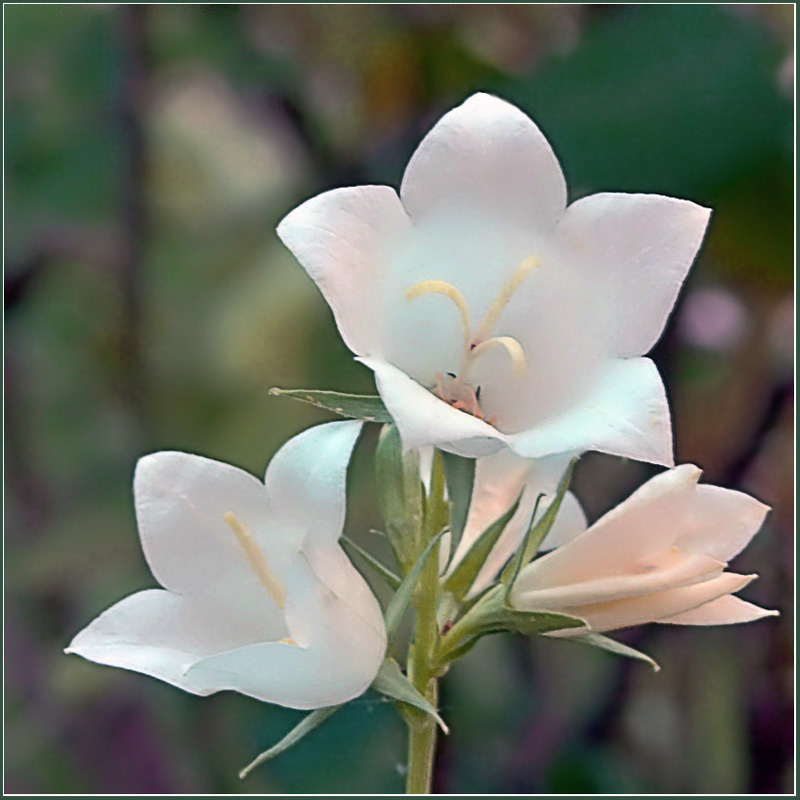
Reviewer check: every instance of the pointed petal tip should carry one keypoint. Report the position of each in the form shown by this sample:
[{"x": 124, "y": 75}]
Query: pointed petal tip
[{"x": 689, "y": 472}]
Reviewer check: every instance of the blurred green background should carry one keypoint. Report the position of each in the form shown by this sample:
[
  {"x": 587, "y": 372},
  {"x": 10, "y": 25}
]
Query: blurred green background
[{"x": 150, "y": 152}]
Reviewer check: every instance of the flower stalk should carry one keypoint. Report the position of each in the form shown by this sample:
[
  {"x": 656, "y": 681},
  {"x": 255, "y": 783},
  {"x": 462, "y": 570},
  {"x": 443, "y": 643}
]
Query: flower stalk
[{"x": 422, "y": 652}]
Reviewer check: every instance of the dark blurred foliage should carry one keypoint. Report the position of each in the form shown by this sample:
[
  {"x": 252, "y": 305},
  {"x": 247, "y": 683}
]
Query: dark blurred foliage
[{"x": 150, "y": 152}]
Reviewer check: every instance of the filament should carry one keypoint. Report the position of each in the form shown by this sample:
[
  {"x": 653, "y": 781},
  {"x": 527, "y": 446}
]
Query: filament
[
  {"x": 256, "y": 559},
  {"x": 441, "y": 287}
]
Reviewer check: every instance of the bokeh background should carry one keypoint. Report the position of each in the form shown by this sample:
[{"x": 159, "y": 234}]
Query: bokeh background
[{"x": 150, "y": 152}]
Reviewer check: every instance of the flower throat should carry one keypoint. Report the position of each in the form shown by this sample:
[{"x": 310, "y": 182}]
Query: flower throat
[{"x": 454, "y": 389}]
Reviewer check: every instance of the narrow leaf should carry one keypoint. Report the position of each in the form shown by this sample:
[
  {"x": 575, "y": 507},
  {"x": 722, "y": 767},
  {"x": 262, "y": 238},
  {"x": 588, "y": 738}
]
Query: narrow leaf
[
  {"x": 460, "y": 476},
  {"x": 356, "y": 406},
  {"x": 538, "y": 531},
  {"x": 613, "y": 646},
  {"x": 466, "y": 570},
  {"x": 400, "y": 495},
  {"x": 391, "y": 682},
  {"x": 511, "y": 572},
  {"x": 490, "y": 615},
  {"x": 304, "y": 727},
  {"x": 382, "y": 571},
  {"x": 402, "y": 597}
]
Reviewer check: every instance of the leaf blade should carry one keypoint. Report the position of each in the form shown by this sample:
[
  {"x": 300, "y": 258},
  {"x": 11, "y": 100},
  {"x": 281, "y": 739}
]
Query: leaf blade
[
  {"x": 467, "y": 569},
  {"x": 617, "y": 648},
  {"x": 537, "y": 532},
  {"x": 380, "y": 569},
  {"x": 459, "y": 475},
  {"x": 391, "y": 681},
  {"x": 402, "y": 597},
  {"x": 300, "y": 731},
  {"x": 369, "y": 408},
  {"x": 401, "y": 497}
]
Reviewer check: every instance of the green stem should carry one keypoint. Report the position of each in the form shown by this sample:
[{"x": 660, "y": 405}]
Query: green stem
[
  {"x": 421, "y": 660},
  {"x": 421, "y": 749}
]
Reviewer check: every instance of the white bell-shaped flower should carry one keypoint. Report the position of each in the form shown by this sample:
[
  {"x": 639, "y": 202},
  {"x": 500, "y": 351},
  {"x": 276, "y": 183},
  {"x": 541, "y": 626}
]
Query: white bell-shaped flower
[
  {"x": 258, "y": 596},
  {"x": 659, "y": 556},
  {"x": 492, "y": 314}
]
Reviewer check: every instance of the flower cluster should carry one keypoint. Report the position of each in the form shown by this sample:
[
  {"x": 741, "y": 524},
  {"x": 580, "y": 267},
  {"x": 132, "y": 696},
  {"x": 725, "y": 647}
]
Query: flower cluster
[{"x": 507, "y": 330}]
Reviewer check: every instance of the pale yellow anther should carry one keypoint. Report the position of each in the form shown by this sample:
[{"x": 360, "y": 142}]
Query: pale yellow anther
[
  {"x": 503, "y": 297},
  {"x": 256, "y": 559},
  {"x": 288, "y": 640},
  {"x": 442, "y": 287},
  {"x": 512, "y": 347}
]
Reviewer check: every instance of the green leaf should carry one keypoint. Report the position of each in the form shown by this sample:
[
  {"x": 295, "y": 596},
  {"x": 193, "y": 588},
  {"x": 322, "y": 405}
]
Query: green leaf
[
  {"x": 509, "y": 575},
  {"x": 538, "y": 531},
  {"x": 462, "y": 577},
  {"x": 613, "y": 646},
  {"x": 400, "y": 496},
  {"x": 402, "y": 597},
  {"x": 491, "y": 615},
  {"x": 391, "y": 682},
  {"x": 460, "y": 476},
  {"x": 303, "y": 728},
  {"x": 370, "y": 408},
  {"x": 382, "y": 571}
]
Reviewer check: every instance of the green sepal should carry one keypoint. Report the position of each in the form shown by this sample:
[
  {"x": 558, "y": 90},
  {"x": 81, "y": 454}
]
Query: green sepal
[
  {"x": 460, "y": 477},
  {"x": 368, "y": 407},
  {"x": 378, "y": 568},
  {"x": 402, "y": 597},
  {"x": 537, "y": 532},
  {"x": 392, "y": 682},
  {"x": 490, "y": 614},
  {"x": 613, "y": 646},
  {"x": 467, "y": 569},
  {"x": 401, "y": 496},
  {"x": 302, "y": 729}
]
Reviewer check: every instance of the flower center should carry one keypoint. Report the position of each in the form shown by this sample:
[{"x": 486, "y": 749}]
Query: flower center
[
  {"x": 454, "y": 389},
  {"x": 256, "y": 559}
]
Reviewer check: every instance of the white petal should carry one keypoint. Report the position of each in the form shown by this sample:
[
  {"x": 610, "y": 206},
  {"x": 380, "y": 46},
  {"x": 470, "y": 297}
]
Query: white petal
[
  {"x": 570, "y": 522},
  {"x": 181, "y": 502},
  {"x": 342, "y": 238},
  {"x": 336, "y": 656},
  {"x": 626, "y": 414},
  {"x": 719, "y": 522},
  {"x": 487, "y": 154},
  {"x": 162, "y": 634},
  {"x": 306, "y": 480},
  {"x": 658, "y": 605},
  {"x": 423, "y": 419},
  {"x": 636, "y": 250},
  {"x": 668, "y": 572},
  {"x": 726, "y": 610},
  {"x": 632, "y": 534}
]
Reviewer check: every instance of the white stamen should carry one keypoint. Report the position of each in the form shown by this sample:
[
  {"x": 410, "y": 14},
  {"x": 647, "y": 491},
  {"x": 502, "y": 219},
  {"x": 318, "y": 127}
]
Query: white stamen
[
  {"x": 503, "y": 297},
  {"x": 442, "y": 287},
  {"x": 256, "y": 559},
  {"x": 513, "y": 348}
]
